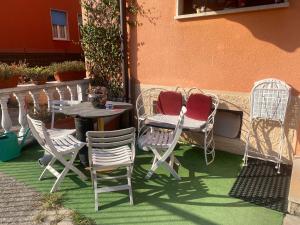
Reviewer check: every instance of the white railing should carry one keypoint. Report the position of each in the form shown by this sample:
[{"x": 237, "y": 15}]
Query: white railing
[{"x": 76, "y": 90}]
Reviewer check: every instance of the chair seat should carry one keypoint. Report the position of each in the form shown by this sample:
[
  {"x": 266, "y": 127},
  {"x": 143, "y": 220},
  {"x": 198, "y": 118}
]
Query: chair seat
[
  {"x": 56, "y": 133},
  {"x": 170, "y": 121},
  {"x": 112, "y": 157},
  {"x": 161, "y": 139},
  {"x": 67, "y": 144}
]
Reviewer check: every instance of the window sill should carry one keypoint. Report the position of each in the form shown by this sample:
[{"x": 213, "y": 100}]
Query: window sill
[
  {"x": 58, "y": 39},
  {"x": 231, "y": 11}
]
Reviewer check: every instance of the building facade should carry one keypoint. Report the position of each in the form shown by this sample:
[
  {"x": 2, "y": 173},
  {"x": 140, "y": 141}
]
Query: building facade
[
  {"x": 40, "y": 31},
  {"x": 223, "y": 50}
]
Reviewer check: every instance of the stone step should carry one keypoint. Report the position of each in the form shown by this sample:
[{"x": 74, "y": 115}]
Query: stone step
[
  {"x": 291, "y": 220},
  {"x": 294, "y": 194}
]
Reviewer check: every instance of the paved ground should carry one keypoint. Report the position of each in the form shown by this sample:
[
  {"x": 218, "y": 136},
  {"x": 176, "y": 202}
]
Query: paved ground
[{"x": 18, "y": 203}]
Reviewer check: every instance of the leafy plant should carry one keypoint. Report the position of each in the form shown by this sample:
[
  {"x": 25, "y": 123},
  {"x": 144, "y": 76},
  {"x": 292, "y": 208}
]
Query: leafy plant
[
  {"x": 101, "y": 43},
  {"x": 52, "y": 201},
  {"x": 38, "y": 73},
  {"x": 79, "y": 219},
  {"x": 68, "y": 66},
  {"x": 6, "y": 71}
]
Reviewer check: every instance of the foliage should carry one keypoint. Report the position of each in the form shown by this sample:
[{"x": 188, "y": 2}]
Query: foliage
[
  {"x": 7, "y": 71},
  {"x": 52, "y": 200},
  {"x": 79, "y": 219},
  {"x": 101, "y": 43},
  {"x": 38, "y": 73},
  {"x": 19, "y": 68},
  {"x": 67, "y": 66}
]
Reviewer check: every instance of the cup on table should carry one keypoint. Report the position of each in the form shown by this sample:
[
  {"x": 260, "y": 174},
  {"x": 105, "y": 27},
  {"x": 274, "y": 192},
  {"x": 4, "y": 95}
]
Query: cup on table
[{"x": 109, "y": 105}]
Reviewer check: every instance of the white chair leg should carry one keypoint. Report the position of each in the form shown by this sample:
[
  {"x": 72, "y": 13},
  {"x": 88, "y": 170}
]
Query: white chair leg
[
  {"x": 59, "y": 179},
  {"x": 46, "y": 168},
  {"x": 129, "y": 184},
  {"x": 245, "y": 158},
  {"x": 95, "y": 187}
]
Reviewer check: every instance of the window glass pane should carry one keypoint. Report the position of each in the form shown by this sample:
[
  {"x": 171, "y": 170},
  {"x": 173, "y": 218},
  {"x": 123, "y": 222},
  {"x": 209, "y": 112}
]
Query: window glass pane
[
  {"x": 62, "y": 31},
  {"x": 58, "y": 17},
  {"x": 54, "y": 31}
]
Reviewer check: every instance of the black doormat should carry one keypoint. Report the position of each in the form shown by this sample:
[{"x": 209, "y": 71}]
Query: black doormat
[{"x": 260, "y": 184}]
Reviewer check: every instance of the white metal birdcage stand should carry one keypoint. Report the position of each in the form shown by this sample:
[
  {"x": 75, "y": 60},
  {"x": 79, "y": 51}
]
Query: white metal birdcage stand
[{"x": 269, "y": 102}]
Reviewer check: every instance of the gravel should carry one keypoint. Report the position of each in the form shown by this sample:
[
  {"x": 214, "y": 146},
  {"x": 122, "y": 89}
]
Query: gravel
[{"x": 18, "y": 203}]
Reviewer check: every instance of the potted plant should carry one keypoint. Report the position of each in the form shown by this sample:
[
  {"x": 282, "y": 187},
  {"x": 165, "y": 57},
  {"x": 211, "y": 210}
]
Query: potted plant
[
  {"x": 9, "y": 76},
  {"x": 68, "y": 70},
  {"x": 38, "y": 75},
  {"x": 98, "y": 96}
]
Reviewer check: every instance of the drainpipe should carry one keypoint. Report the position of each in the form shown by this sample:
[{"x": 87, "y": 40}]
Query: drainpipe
[{"x": 124, "y": 49}]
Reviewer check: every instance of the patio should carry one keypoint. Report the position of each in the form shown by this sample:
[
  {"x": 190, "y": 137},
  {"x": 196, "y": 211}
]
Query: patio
[{"x": 201, "y": 197}]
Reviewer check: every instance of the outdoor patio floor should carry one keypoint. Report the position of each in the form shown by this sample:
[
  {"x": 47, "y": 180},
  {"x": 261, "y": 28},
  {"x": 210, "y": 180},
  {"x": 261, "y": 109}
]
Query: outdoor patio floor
[{"x": 201, "y": 197}]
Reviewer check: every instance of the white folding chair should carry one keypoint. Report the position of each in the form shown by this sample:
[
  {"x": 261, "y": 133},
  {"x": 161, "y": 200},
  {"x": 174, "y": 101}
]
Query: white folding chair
[
  {"x": 111, "y": 150},
  {"x": 56, "y": 107},
  {"x": 162, "y": 142},
  {"x": 59, "y": 148},
  {"x": 269, "y": 101}
]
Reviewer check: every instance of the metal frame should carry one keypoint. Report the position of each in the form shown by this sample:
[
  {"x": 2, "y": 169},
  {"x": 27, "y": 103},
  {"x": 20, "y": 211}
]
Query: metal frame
[
  {"x": 145, "y": 105},
  {"x": 208, "y": 144},
  {"x": 269, "y": 101}
]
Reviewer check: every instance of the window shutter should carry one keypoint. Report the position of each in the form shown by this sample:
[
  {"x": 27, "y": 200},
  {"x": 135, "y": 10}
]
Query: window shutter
[{"x": 58, "y": 18}]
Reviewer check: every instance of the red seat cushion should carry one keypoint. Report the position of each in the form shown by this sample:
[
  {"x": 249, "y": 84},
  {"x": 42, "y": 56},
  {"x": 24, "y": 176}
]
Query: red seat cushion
[
  {"x": 199, "y": 106},
  {"x": 169, "y": 103}
]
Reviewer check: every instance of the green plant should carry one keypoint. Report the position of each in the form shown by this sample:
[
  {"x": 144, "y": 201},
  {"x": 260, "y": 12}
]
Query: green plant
[
  {"x": 67, "y": 66},
  {"x": 79, "y": 219},
  {"x": 38, "y": 73},
  {"x": 19, "y": 68},
  {"x": 52, "y": 201},
  {"x": 101, "y": 43},
  {"x": 6, "y": 71}
]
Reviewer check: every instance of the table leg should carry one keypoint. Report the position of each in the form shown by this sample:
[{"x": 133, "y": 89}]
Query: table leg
[
  {"x": 100, "y": 123},
  {"x": 82, "y": 126}
]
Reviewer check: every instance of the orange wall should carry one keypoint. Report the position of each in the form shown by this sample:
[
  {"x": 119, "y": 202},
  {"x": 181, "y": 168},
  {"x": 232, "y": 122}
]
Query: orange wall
[
  {"x": 26, "y": 26},
  {"x": 227, "y": 52}
]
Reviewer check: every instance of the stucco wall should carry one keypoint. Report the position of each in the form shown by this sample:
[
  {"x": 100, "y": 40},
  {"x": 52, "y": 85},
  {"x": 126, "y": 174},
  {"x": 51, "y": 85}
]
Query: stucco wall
[
  {"x": 223, "y": 53},
  {"x": 26, "y": 26}
]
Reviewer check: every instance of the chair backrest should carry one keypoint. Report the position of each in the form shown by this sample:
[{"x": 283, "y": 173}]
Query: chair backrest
[
  {"x": 178, "y": 128},
  {"x": 269, "y": 100},
  {"x": 57, "y": 105},
  {"x": 214, "y": 104},
  {"x": 169, "y": 103},
  {"x": 40, "y": 133},
  {"x": 146, "y": 102},
  {"x": 105, "y": 140}
]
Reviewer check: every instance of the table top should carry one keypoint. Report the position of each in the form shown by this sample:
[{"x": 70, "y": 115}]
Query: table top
[{"x": 87, "y": 110}]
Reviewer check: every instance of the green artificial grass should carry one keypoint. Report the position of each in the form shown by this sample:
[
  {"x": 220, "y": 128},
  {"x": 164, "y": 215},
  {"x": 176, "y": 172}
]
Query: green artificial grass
[{"x": 201, "y": 197}]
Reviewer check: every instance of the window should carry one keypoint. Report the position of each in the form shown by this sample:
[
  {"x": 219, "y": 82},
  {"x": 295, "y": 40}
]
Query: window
[
  {"x": 196, "y": 8},
  {"x": 59, "y": 25}
]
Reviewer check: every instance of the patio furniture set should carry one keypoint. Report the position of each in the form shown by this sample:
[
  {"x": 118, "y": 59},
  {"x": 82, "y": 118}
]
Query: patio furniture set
[
  {"x": 162, "y": 115},
  {"x": 159, "y": 131}
]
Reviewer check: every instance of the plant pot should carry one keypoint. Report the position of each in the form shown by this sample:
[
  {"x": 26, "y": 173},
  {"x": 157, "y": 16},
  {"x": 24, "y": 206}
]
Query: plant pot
[
  {"x": 11, "y": 82},
  {"x": 68, "y": 76}
]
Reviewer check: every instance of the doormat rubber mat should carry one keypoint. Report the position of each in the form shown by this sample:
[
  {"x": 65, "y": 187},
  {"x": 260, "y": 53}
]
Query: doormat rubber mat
[{"x": 259, "y": 183}]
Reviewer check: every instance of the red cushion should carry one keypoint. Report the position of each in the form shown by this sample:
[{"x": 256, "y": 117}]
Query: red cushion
[
  {"x": 199, "y": 106},
  {"x": 169, "y": 103}
]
